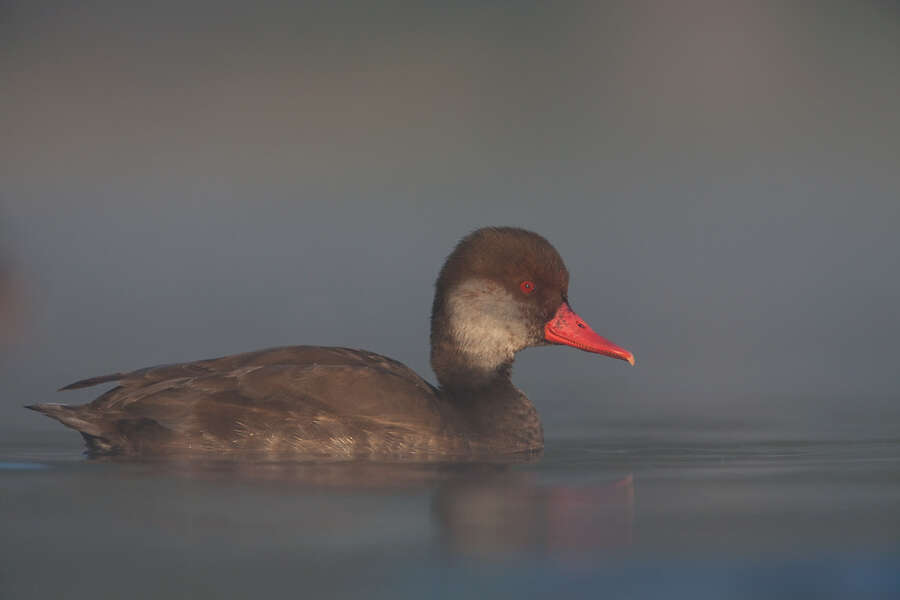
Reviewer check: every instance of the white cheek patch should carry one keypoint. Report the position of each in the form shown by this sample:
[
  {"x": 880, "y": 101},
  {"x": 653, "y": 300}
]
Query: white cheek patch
[{"x": 486, "y": 322}]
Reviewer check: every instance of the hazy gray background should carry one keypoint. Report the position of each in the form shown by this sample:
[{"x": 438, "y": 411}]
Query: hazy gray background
[{"x": 182, "y": 181}]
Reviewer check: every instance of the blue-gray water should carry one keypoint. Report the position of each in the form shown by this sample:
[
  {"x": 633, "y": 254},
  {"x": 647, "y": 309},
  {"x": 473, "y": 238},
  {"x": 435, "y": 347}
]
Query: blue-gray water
[{"x": 659, "y": 515}]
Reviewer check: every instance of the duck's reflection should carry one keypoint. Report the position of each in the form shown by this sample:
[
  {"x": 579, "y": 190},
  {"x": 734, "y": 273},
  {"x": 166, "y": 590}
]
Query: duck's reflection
[
  {"x": 510, "y": 514},
  {"x": 493, "y": 511}
]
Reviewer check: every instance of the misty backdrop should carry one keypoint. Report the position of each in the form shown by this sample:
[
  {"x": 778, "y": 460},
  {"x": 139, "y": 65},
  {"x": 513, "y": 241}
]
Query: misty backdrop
[{"x": 187, "y": 180}]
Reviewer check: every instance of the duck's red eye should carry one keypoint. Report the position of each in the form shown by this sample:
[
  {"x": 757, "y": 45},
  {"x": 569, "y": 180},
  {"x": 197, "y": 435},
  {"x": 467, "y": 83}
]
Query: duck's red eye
[{"x": 527, "y": 287}]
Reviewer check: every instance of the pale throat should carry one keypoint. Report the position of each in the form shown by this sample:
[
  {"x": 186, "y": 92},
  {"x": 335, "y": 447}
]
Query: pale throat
[{"x": 486, "y": 324}]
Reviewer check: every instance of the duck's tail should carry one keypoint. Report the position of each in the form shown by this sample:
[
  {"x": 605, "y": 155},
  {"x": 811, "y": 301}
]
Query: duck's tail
[
  {"x": 70, "y": 416},
  {"x": 93, "y": 433}
]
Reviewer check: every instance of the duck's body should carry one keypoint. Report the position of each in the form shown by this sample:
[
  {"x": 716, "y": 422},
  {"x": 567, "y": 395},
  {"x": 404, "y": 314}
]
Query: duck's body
[
  {"x": 298, "y": 400},
  {"x": 500, "y": 291}
]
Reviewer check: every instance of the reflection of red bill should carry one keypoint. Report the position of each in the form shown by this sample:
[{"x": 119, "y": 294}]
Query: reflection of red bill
[
  {"x": 590, "y": 518},
  {"x": 568, "y": 328}
]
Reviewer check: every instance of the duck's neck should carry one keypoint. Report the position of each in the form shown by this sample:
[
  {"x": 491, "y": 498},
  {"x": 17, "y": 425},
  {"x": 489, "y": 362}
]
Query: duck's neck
[
  {"x": 491, "y": 412},
  {"x": 474, "y": 372}
]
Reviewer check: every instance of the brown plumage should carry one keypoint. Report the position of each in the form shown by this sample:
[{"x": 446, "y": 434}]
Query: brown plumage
[{"x": 321, "y": 402}]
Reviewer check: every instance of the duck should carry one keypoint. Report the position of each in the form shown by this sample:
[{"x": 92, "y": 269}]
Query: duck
[{"x": 501, "y": 290}]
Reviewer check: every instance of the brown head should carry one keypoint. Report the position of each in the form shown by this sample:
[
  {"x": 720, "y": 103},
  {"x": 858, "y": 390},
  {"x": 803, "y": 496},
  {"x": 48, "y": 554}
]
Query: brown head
[{"x": 501, "y": 290}]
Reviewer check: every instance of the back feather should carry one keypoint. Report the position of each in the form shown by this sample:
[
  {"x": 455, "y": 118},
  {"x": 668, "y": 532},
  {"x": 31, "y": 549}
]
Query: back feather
[{"x": 92, "y": 381}]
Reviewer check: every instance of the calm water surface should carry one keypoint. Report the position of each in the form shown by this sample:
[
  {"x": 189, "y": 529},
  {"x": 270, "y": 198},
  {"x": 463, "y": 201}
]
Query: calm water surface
[{"x": 639, "y": 514}]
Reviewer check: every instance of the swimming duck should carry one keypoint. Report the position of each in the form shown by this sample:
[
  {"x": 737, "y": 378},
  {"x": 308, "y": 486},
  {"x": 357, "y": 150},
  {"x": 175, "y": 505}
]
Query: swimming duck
[{"x": 501, "y": 290}]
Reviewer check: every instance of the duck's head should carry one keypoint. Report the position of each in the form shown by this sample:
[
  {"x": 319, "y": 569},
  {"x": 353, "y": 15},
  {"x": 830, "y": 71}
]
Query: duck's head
[{"x": 501, "y": 290}]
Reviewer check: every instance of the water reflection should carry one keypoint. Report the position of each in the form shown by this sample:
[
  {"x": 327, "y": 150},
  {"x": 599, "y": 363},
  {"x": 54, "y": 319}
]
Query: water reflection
[
  {"x": 347, "y": 476},
  {"x": 510, "y": 515},
  {"x": 814, "y": 518},
  {"x": 479, "y": 510}
]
